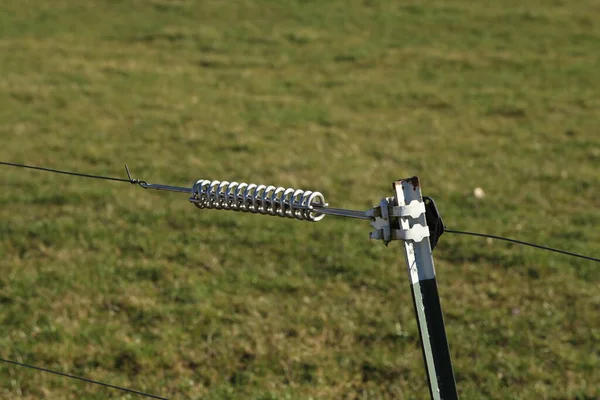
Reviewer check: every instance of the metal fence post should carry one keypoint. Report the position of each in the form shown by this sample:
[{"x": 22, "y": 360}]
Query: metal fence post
[{"x": 430, "y": 320}]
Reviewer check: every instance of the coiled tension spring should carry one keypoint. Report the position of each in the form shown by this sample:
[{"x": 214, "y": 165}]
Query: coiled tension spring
[
  {"x": 261, "y": 199},
  {"x": 272, "y": 200}
]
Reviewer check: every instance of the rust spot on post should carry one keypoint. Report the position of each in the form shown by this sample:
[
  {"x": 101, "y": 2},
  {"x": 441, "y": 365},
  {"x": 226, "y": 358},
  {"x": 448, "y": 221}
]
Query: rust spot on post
[{"x": 414, "y": 181}]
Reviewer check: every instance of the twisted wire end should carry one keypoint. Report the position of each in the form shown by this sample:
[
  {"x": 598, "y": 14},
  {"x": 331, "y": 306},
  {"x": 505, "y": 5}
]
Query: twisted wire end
[{"x": 142, "y": 184}]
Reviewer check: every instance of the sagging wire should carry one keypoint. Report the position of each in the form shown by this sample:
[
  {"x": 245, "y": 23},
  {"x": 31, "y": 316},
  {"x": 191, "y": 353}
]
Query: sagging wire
[{"x": 123, "y": 389}]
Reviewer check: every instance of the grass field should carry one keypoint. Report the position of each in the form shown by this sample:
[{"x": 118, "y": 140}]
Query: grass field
[{"x": 141, "y": 289}]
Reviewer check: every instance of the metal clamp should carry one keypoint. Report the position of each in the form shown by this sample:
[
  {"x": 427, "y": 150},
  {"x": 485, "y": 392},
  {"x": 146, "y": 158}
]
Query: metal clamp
[{"x": 387, "y": 225}]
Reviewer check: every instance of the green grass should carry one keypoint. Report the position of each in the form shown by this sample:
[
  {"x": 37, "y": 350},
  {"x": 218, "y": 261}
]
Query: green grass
[{"x": 141, "y": 289}]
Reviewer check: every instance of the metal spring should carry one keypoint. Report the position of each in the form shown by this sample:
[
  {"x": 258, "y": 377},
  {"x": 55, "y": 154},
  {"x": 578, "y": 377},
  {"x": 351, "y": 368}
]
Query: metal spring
[{"x": 261, "y": 199}]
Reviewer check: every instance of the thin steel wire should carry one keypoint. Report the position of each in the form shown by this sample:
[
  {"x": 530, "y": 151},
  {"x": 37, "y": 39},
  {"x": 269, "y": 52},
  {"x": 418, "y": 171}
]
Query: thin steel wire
[
  {"x": 58, "y": 171},
  {"x": 152, "y": 396},
  {"x": 537, "y": 246},
  {"x": 321, "y": 209}
]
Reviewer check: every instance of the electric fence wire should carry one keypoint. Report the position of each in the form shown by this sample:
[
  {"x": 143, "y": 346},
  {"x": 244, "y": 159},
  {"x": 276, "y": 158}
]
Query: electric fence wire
[
  {"x": 321, "y": 208},
  {"x": 57, "y": 171},
  {"x": 152, "y": 396},
  {"x": 537, "y": 246},
  {"x": 347, "y": 213}
]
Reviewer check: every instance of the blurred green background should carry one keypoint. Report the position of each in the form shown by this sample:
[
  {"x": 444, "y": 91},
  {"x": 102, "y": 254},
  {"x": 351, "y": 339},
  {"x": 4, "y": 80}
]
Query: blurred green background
[{"x": 141, "y": 289}]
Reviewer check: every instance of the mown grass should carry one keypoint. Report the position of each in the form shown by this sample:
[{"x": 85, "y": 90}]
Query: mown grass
[{"x": 141, "y": 289}]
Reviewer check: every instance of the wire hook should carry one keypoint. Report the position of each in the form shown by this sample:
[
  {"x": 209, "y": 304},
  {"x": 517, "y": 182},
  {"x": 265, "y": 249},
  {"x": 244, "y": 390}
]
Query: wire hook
[{"x": 135, "y": 181}]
